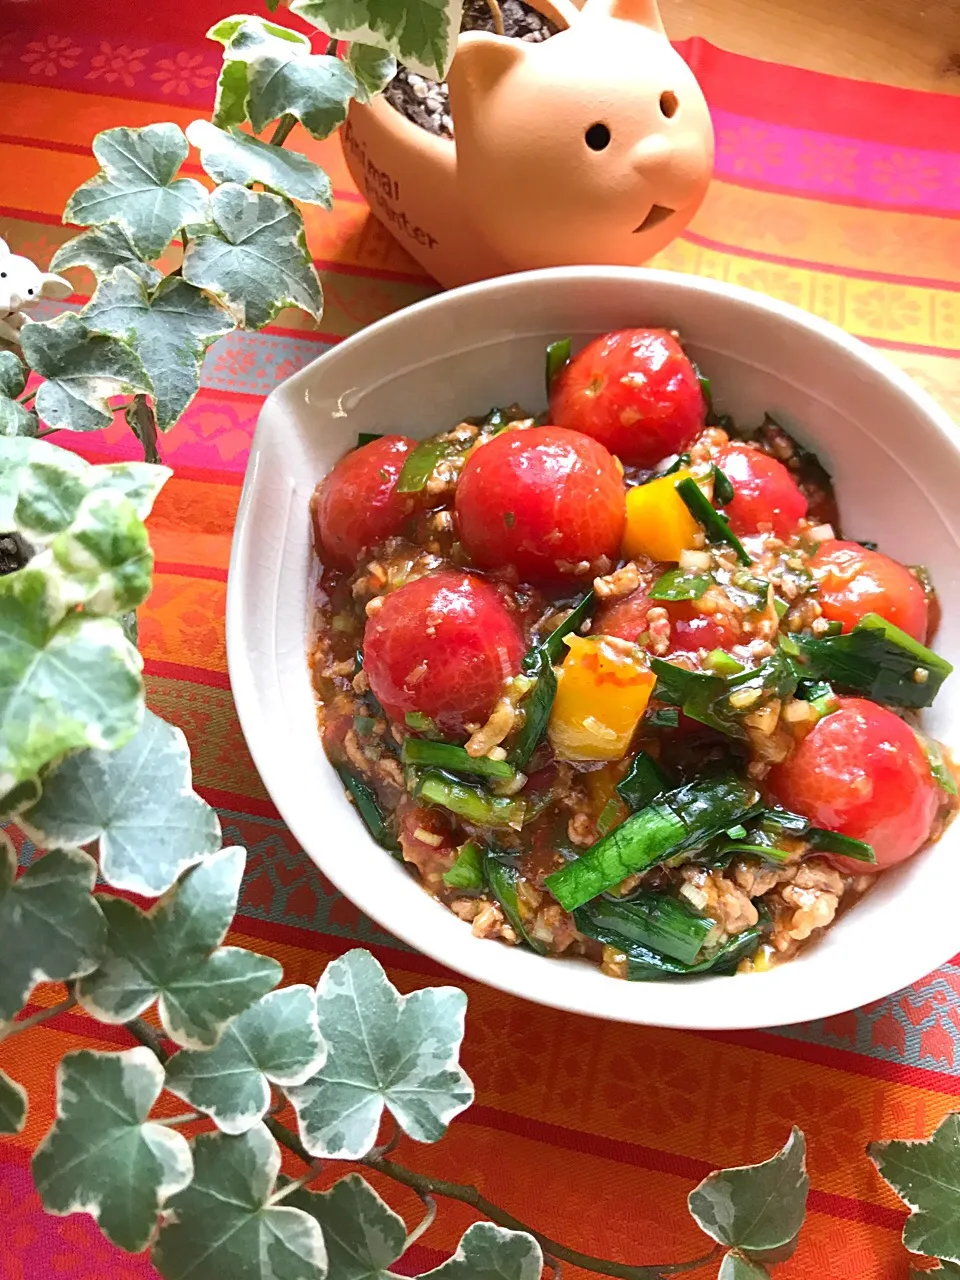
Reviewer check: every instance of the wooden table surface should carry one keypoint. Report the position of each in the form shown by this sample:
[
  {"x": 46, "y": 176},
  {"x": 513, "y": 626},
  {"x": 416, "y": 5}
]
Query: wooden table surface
[{"x": 914, "y": 43}]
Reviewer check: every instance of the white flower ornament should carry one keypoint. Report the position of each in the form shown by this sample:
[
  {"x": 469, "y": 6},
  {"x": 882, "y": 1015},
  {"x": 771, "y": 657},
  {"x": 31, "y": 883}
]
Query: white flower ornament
[{"x": 22, "y": 285}]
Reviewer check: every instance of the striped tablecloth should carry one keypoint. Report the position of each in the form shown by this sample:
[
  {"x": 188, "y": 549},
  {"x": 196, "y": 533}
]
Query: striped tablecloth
[{"x": 839, "y": 196}]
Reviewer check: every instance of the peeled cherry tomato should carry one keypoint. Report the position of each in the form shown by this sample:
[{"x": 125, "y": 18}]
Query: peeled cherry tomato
[
  {"x": 356, "y": 505},
  {"x": 852, "y": 582},
  {"x": 764, "y": 492},
  {"x": 442, "y": 645},
  {"x": 690, "y": 630},
  {"x": 635, "y": 391},
  {"x": 549, "y": 502},
  {"x": 861, "y": 771}
]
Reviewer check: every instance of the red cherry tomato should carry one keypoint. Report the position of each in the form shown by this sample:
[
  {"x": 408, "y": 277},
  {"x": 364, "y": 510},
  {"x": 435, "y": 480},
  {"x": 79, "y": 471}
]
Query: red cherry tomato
[
  {"x": 690, "y": 630},
  {"x": 765, "y": 493},
  {"x": 852, "y": 582},
  {"x": 356, "y": 505},
  {"x": 442, "y": 645},
  {"x": 861, "y": 771},
  {"x": 544, "y": 500},
  {"x": 635, "y": 391}
]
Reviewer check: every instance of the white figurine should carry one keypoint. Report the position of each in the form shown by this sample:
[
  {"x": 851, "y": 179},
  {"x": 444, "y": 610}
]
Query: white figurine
[{"x": 22, "y": 285}]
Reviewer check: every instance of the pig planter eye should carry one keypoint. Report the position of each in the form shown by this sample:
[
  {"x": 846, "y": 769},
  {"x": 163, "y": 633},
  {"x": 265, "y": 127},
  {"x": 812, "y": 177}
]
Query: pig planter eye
[{"x": 594, "y": 146}]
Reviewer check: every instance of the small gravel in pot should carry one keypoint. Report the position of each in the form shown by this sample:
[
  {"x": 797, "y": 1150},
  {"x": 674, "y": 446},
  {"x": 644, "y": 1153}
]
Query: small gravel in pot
[{"x": 426, "y": 102}]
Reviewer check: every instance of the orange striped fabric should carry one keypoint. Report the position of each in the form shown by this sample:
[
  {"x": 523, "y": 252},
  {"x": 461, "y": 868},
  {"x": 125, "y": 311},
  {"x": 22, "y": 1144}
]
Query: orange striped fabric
[{"x": 838, "y": 196}]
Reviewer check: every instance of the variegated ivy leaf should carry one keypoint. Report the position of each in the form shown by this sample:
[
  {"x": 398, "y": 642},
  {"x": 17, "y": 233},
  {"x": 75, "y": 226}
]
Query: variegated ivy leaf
[
  {"x": 83, "y": 369},
  {"x": 384, "y": 1050},
  {"x": 100, "y": 250},
  {"x": 364, "y": 1236},
  {"x": 276, "y": 1040},
  {"x": 51, "y": 926},
  {"x": 258, "y": 263},
  {"x": 489, "y": 1252},
  {"x": 138, "y": 189},
  {"x": 42, "y": 487},
  {"x": 421, "y": 33},
  {"x": 173, "y": 953},
  {"x": 103, "y": 1156},
  {"x": 757, "y": 1207},
  {"x": 13, "y": 1105},
  {"x": 138, "y": 802},
  {"x": 66, "y": 682},
  {"x": 15, "y": 420},
  {"x": 372, "y": 68},
  {"x": 945, "y": 1271},
  {"x": 18, "y": 798},
  {"x": 245, "y": 39},
  {"x": 170, "y": 330},
  {"x": 737, "y": 1266},
  {"x": 926, "y": 1176},
  {"x": 104, "y": 558},
  {"x": 229, "y": 155},
  {"x": 223, "y": 1226},
  {"x": 316, "y": 89}
]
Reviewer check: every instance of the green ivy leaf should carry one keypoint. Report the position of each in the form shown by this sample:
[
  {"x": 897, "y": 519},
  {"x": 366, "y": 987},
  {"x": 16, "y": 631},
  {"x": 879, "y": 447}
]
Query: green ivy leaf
[
  {"x": 276, "y": 1040},
  {"x": 421, "y": 33},
  {"x": 15, "y": 420},
  {"x": 384, "y": 1050},
  {"x": 316, "y": 89},
  {"x": 223, "y": 1226},
  {"x": 258, "y": 263},
  {"x": 363, "y": 1234},
  {"x": 170, "y": 330},
  {"x": 104, "y": 557},
  {"x": 65, "y": 682},
  {"x": 926, "y": 1176},
  {"x": 233, "y": 156},
  {"x": 13, "y": 1105},
  {"x": 372, "y": 68},
  {"x": 100, "y": 250},
  {"x": 42, "y": 487},
  {"x": 51, "y": 926},
  {"x": 736, "y": 1266},
  {"x": 489, "y": 1252},
  {"x": 103, "y": 1156},
  {"x": 245, "y": 39},
  {"x": 138, "y": 802},
  {"x": 83, "y": 370},
  {"x": 137, "y": 187},
  {"x": 758, "y": 1206},
  {"x": 173, "y": 953},
  {"x": 13, "y": 375}
]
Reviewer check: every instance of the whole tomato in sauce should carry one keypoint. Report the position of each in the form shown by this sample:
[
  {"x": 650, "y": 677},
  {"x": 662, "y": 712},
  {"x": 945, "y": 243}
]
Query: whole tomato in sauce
[
  {"x": 357, "y": 504},
  {"x": 548, "y": 501},
  {"x": 764, "y": 492},
  {"x": 442, "y": 645},
  {"x": 635, "y": 391},
  {"x": 853, "y": 581},
  {"x": 861, "y": 772},
  {"x": 690, "y": 630}
]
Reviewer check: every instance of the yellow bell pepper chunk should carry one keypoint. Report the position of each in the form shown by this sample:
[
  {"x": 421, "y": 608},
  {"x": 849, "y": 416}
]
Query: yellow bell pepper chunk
[
  {"x": 658, "y": 522},
  {"x": 603, "y": 689}
]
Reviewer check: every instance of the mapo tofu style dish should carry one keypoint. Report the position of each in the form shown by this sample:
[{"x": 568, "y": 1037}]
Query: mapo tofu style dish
[{"x": 612, "y": 682}]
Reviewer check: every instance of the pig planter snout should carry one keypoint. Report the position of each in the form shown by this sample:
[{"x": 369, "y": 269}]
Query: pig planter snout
[{"x": 594, "y": 146}]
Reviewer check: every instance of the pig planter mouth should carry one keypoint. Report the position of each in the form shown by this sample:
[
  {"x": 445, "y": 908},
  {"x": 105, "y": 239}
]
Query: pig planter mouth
[
  {"x": 658, "y": 213},
  {"x": 551, "y": 140}
]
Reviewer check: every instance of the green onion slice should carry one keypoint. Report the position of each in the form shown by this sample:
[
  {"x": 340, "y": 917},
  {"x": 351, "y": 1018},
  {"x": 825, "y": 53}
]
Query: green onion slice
[
  {"x": 444, "y": 755},
  {"x": 558, "y": 355},
  {"x": 368, "y": 808},
  {"x": 467, "y": 870},
  {"x": 437, "y": 787},
  {"x": 716, "y": 526},
  {"x": 665, "y": 924},
  {"x": 502, "y": 877}
]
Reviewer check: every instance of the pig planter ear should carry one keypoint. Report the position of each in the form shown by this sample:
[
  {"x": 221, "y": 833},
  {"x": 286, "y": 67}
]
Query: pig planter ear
[
  {"x": 22, "y": 285},
  {"x": 594, "y": 146}
]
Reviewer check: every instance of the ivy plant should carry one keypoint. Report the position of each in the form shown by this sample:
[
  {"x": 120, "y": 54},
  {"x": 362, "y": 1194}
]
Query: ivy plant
[{"x": 96, "y": 793}]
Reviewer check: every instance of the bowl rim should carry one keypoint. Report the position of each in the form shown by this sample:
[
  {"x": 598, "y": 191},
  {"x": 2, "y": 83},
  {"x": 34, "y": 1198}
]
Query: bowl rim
[{"x": 859, "y": 991}]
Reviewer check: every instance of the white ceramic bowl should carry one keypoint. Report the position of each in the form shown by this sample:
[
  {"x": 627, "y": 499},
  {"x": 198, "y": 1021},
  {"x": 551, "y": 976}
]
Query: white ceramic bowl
[{"x": 895, "y": 458}]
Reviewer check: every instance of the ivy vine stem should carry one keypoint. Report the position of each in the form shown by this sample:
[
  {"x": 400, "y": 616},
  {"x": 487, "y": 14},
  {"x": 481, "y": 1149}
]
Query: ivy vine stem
[
  {"x": 426, "y": 1186},
  {"x": 148, "y": 1036},
  {"x": 27, "y": 398},
  {"x": 143, "y": 423},
  {"x": 280, "y": 133},
  {"x": 43, "y": 1015},
  {"x": 496, "y": 14}
]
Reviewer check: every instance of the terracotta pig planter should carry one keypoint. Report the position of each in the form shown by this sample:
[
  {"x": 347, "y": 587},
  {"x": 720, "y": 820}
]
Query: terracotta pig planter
[{"x": 594, "y": 146}]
